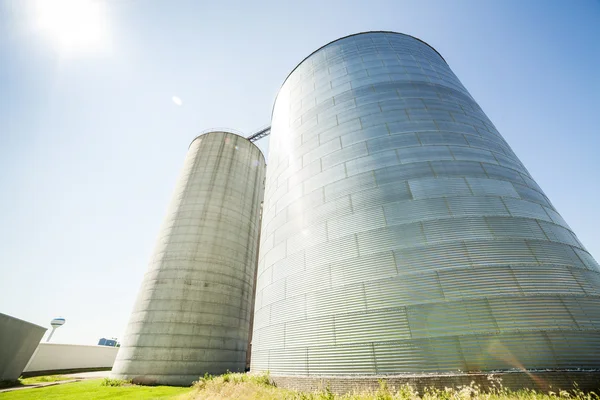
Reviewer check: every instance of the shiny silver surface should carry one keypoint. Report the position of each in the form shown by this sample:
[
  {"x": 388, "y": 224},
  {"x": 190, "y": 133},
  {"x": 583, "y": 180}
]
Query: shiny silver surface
[
  {"x": 193, "y": 311},
  {"x": 402, "y": 234}
]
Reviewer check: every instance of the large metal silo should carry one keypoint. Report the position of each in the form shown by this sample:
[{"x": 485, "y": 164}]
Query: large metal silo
[
  {"x": 402, "y": 234},
  {"x": 193, "y": 311}
]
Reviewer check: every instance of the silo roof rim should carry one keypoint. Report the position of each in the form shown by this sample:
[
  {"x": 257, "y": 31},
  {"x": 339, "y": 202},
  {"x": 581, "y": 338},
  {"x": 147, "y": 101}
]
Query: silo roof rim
[
  {"x": 345, "y": 37},
  {"x": 226, "y": 130},
  {"x": 356, "y": 34}
]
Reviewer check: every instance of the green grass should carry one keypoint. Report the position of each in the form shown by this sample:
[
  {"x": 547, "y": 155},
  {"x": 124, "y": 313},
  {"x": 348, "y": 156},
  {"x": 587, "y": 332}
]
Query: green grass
[
  {"x": 43, "y": 379},
  {"x": 32, "y": 381},
  {"x": 114, "y": 382},
  {"x": 93, "y": 390}
]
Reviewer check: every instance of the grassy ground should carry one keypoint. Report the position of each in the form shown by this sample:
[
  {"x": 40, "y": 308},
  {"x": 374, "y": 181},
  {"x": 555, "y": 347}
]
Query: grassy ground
[
  {"x": 94, "y": 389},
  {"x": 31, "y": 381},
  {"x": 43, "y": 379},
  {"x": 259, "y": 387}
]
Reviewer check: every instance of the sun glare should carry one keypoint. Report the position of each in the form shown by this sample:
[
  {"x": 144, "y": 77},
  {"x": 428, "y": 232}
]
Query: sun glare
[{"x": 73, "y": 26}]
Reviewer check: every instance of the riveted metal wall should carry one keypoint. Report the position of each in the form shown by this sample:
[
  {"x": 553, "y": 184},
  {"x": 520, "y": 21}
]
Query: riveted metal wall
[
  {"x": 402, "y": 234},
  {"x": 193, "y": 310}
]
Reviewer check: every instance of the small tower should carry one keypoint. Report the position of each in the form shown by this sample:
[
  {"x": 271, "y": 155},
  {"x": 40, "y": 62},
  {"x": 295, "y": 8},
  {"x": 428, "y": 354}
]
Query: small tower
[{"x": 56, "y": 323}]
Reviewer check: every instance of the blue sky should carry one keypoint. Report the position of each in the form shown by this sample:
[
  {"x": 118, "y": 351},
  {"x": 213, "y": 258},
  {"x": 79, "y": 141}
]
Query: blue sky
[{"x": 91, "y": 141}]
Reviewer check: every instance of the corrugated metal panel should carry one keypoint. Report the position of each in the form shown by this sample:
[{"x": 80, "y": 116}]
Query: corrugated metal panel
[
  {"x": 402, "y": 290},
  {"x": 485, "y": 143},
  {"x": 439, "y": 187},
  {"x": 390, "y": 175},
  {"x": 531, "y": 195},
  {"x": 405, "y": 357},
  {"x": 309, "y": 201},
  {"x": 351, "y": 359},
  {"x": 547, "y": 279},
  {"x": 426, "y": 153},
  {"x": 346, "y": 153},
  {"x": 392, "y": 142},
  {"x": 458, "y": 169},
  {"x": 431, "y": 257},
  {"x": 377, "y": 129},
  {"x": 286, "y": 362},
  {"x": 508, "y": 351},
  {"x": 364, "y": 220},
  {"x": 584, "y": 311},
  {"x": 501, "y": 172},
  {"x": 262, "y": 316},
  {"x": 509, "y": 162},
  {"x": 371, "y": 162},
  {"x": 411, "y": 126},
  {"x": 491, "y": 187},
  {"x": 515, "y": 228},
  {"x": 290, "y": 309},
  {"x": 337, "y": 249},
  {"x": 474, "y": 282},
  {"x": 558, "y": 234},
  {"x": 471, "y": 154},
  {"x": 381, "y": 195},
  {"x": 575, "y": 349},
  {"x": 370, "y": 327},
  {"x": 531, "y": 313},
  {"x": 308, "y": 281},
  {"x": 442, "y": 138},
  {"x": 476, "y": 206},
  {"x": 274, "y": 292},
  {"x": 556, "y": 217},
  {"x": 310, "y": 332},
  {"x": 522, "y": 208},
  {"x": 363, "y": 269},
  {"x": 587, "y": 259},
  {"x": 457, "y": 229},
  {"x": 390, "y": 238},
  {"x": 288, "y": 266},
  {"x": 588, "y": 280},
  {"x": 450, "y": 318},
  {"x": 334, "y": 301},
  {"x": 349, "y": 185},
  {"x": 455, "y": 127},
  {"x": 270, "y": 337},
  {"x": 415, "y": 210},
  {"x": 531, "y": 183},
  {"x": 306, "y": 237},
  {"x": 324, "y": 178}
]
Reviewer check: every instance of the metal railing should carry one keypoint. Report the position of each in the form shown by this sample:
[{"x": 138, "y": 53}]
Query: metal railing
[{"x": 260, "y": 134}]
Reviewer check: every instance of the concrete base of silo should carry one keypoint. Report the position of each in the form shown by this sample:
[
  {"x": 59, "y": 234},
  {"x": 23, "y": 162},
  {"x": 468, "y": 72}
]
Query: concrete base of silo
[{"x": 542, "y": 381}]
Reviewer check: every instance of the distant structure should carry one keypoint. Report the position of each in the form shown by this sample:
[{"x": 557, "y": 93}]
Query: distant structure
[
  {"x": 401, "y": 234},
  {"x": 18, "y": 341},
  {"x": 108, "y": 342},
  {"x": 55, "y": 323},
  {"x": 194, "y": 308}
]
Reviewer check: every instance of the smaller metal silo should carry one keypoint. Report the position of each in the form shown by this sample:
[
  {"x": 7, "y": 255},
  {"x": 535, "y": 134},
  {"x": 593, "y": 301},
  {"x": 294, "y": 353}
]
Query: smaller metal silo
[{"x": 193, "y": 311}]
